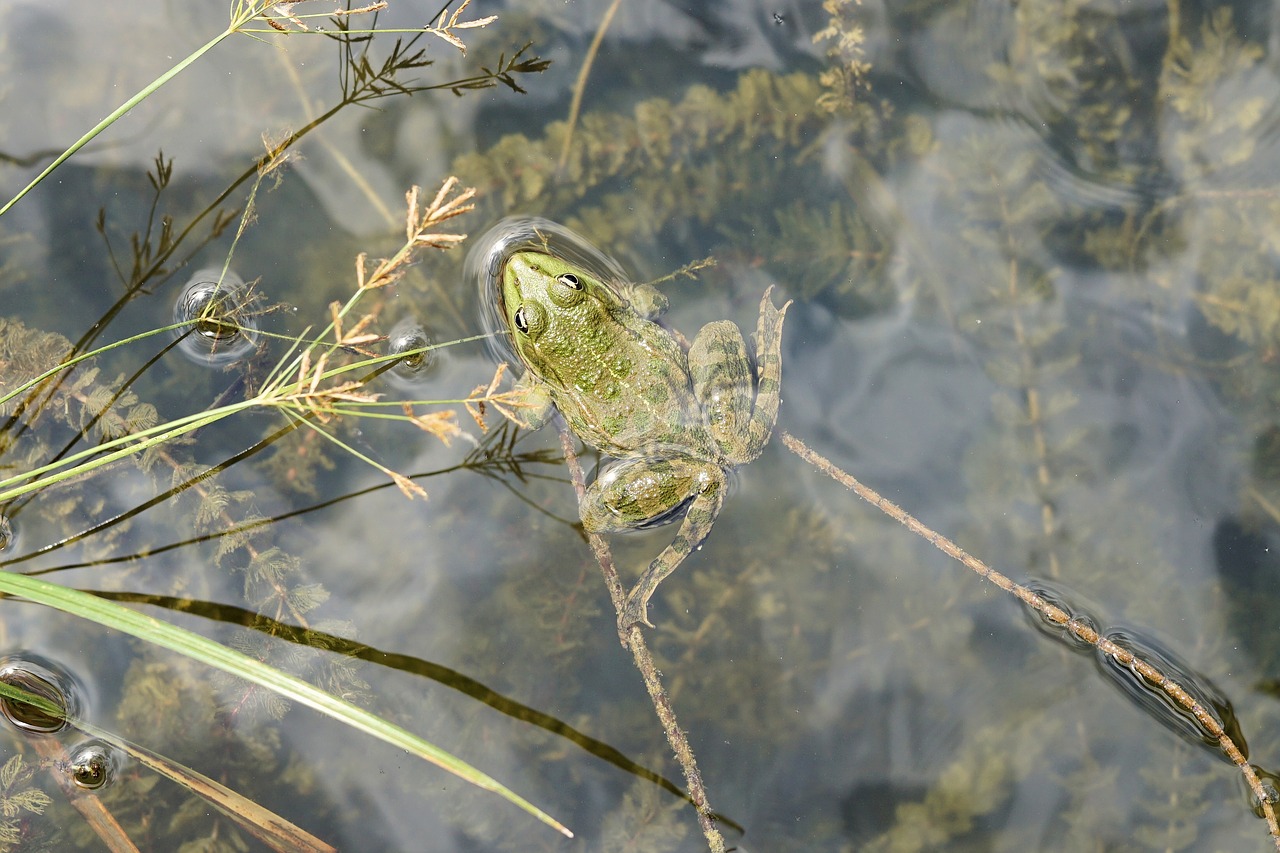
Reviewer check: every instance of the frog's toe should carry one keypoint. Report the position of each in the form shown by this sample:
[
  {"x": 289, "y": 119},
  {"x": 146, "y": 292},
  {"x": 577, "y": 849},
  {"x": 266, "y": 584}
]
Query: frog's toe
[
  {"x": 770, "y": 314},
  {"x": 634, "y": 612}
]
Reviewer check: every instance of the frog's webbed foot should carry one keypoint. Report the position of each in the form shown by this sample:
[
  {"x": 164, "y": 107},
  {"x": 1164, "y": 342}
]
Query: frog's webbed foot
[{"x": 635, "y": 611}]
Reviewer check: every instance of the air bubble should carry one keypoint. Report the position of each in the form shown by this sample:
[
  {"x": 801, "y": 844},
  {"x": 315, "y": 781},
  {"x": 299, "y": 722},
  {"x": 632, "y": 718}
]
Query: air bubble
[
  {"x": 220, "y": 305},
  {"x": 93, "y": 765},
  {"x": 47, "y": 681},
  {"x": 412, "y": 371},
  {"x": 1270, "y": 791}
]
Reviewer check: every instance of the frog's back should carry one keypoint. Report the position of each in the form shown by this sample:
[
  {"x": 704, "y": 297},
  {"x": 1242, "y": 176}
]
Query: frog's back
[{"x": 631, "y": 397}]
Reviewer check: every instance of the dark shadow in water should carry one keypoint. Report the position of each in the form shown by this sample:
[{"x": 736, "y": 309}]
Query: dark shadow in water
[{"x": 232, "y": 615}]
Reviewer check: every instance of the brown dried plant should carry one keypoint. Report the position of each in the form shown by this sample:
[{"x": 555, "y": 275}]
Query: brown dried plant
[
  {"x": 504, "y": 402},
  {"x": 316, "y": 383},
  {"x": 280, "y": 16},
  {"x": 320, "y": 393}
]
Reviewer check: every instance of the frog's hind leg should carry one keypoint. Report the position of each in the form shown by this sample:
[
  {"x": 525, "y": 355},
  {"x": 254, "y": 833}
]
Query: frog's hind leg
[
  {"x": 635, "y": 492},
  {"x": 701, "y": 514},
  {"x": 721, "y": 373},
  {"x": 722, "y": 382},
  {"x": 768, "y": 340}
]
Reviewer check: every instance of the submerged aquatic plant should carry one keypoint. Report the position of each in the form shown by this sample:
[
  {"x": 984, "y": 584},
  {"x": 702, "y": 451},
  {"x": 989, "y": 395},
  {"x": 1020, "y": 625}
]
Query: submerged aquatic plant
[
  {"x": 710, "y": 162},
  {"x": 1085, "y": 206},
  {"x": 310, "y": 387},
  {"x": 316, "y": 382},
  {"x": 19, "y": 799}
]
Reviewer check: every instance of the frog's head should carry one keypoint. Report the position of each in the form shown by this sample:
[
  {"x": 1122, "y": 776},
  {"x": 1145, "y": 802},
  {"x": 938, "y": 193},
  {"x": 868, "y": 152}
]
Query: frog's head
[{"x": 544, "y": 299}]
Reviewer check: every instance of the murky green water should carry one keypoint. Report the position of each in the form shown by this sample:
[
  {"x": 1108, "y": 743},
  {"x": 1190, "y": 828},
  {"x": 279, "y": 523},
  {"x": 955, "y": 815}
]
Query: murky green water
[{"x": 1035, "y": 269}]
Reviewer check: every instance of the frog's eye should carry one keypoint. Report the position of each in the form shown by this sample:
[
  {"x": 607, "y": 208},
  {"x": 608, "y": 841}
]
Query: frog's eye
[
  {"x": 521, "y": 321},
  {"x": 570, "y": 280}
]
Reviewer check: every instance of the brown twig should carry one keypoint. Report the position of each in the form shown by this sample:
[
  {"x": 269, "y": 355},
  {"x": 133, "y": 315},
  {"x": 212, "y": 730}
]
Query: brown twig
[
  {"x": 633, "y": 639},
  {"x": 580, "y": 85},
  {"x": 1075, "y": 627}
]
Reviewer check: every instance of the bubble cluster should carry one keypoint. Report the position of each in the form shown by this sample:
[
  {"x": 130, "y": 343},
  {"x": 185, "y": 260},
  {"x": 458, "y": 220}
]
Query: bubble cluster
[
  {"x": 57, "y": 692},
  {"x": 220, "y": 306}
]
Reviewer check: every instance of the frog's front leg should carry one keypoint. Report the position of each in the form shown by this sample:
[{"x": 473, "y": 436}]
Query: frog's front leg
[
  {"x": 644, "y": 299},
  {"x": 635, "y": 493},
  {"x": 535, "y": 406}
]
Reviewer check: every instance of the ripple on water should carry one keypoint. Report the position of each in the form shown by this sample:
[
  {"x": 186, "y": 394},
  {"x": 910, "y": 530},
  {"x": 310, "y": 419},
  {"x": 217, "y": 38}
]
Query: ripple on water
[
  {"x": 488, "y": 257},
  {"x": 47, "y": 680},
  {"x": 1159, "y": 704},
  {"x": 1082, "y": 614},
  {"x": 220, "y": 305},
  {"x": 94, "y": 764},
  {"x": 413, "y": 371},
  {"x": 1147, "y": 695}
]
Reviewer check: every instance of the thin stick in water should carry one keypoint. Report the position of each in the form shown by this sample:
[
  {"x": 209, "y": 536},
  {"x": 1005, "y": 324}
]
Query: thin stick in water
[
  {"x": 633, "y": 639},
  {"x": 1058, "y": 616}
]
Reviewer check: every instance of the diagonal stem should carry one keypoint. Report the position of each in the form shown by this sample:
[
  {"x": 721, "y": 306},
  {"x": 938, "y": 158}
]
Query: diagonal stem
[
  {"x": 119, "y": 111},
  {"x": 633, "y": 639},
  {"x": 1078, "y": 629}
]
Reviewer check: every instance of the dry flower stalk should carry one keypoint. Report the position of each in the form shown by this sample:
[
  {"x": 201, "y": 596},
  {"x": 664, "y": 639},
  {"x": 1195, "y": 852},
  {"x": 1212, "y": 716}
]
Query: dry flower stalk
[
  {"x": 505, "y": 402},
  {"x": 445, "y": 31}
]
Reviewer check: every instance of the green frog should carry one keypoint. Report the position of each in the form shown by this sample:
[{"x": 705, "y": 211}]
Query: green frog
[{"x": 676, "y": 417}]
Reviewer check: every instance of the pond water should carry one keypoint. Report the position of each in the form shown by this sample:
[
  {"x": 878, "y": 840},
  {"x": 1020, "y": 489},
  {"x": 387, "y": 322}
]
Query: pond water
[{"x": 1034, "y": 255}]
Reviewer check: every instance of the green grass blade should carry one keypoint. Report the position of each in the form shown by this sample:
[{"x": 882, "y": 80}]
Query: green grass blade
[
  {"x": 211, "y": 653},
  {"x": 119, "y": 111}
]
